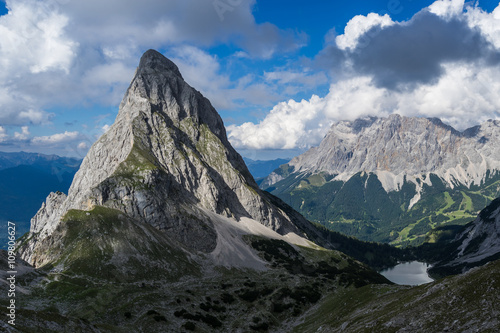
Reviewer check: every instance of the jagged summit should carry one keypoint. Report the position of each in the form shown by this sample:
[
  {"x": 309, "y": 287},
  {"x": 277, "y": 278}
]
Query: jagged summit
[
  {"x": 158, "y": 86},
  {"x": 166, "y": 161},
  {"x": 399, "y": 146},
  {"x": 153, "y": 60}
]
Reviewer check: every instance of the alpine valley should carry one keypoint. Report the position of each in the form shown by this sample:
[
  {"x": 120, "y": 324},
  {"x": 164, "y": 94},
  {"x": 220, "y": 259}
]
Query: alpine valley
[
  {"x": 164, "y": 230},
  {"x": 393, "y": 179}
]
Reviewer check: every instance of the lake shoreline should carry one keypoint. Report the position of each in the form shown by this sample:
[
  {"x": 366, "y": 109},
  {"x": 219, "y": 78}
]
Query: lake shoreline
[{"x": 412, "y": 273}]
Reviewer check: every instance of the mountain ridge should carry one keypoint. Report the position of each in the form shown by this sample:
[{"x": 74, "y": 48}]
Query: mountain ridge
[
  {"x": 393, "y": 179},
  {"x": 262, "y": 168},
  {"x": 342, "y": 154},
  {"x": 166, "y": 161},
  {"x": 50, "y": 163}
]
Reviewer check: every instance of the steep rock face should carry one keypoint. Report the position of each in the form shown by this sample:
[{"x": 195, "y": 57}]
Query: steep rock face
[
  {"x": 398, "y": 146},
  {"x": 393, "y": 179},
  {"x": 481, "y": 239},
  {"x": 51, "y": 206},
  {"x": 165, "y": 161},
  {"x": 476, "y": 244},
  {"x": 106, "y": 244}
]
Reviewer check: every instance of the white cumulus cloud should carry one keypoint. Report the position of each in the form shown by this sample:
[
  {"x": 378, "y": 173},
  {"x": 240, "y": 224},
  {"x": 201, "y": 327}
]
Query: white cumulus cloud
[
  {"x": 357, "y": 27},
  {"x": 447, "y": 8},
  {"x": 463, "y": 92},
  {"x": 33, "y": 43},
  {"x": 61, "y": 53},
  {"x": 488, "y": 23},
  {"x": 288, "y": 125},
  {"x": 56, "y": 138},
  {"x": 23, "y": 135},
  {"x": 34, "y": 39}
]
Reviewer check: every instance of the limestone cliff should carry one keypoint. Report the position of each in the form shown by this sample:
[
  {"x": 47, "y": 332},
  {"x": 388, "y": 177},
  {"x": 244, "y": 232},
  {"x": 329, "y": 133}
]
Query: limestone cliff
[
  {"x": 165, "y": 161},
  {"x": 397, "y": 147}
]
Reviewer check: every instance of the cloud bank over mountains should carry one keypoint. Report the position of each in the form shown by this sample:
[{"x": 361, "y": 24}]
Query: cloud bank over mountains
[{"x": 443, "y": 62}]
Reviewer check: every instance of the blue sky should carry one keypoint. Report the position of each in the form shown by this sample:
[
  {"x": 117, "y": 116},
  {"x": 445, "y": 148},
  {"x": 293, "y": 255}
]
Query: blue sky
[{"x": 279, "y": 72}]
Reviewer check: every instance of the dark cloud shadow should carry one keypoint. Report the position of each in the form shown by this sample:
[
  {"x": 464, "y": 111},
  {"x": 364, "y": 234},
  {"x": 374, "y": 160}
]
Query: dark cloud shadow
[{"x": 406, "y": 55}]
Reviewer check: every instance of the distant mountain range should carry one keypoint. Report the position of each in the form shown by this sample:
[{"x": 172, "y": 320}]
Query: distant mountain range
[
  {"x": 393, "y": 179},
  {"x": 260, "y": 169},
  {"x": 25, "y": 181},
  {"x": 52, "y": 164}
]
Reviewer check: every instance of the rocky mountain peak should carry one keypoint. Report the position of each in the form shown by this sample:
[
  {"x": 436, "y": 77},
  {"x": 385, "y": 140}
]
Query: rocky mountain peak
[
  {"x": 158, "y": 86},
  {"x": 166, "y": 161},
  {"x": 153, "y": 61},
  {"x": 359, "y": 124},
  {"x": 410, "y": 146}
]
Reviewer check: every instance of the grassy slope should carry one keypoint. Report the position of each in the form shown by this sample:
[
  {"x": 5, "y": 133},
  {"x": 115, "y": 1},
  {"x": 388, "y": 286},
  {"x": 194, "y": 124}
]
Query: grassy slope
[
  {"x": 220, "y": 299},
  {"x": 361, "y": 207},
  {"x": 104, "y": 244},
  {"x": 461, "y": 303}
]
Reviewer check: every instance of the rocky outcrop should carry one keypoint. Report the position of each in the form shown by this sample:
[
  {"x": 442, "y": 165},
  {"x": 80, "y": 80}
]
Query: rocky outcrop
[
  {"x": 50, "y": 208},
  {"x": 165, "y": 161},
  {"x": 477, "y": 244},
  {"x": 481, "y": 239}
]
